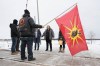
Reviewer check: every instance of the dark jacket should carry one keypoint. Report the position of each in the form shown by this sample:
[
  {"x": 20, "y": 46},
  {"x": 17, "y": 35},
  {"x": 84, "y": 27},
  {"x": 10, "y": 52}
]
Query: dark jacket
[
  {"x": 14, "y": 31},
  {"x": 61, "y": 37},
  {"x": 51, "y": 34},
  {"x": 28, "y": 29},
  {"x": 37, "y": 38}
]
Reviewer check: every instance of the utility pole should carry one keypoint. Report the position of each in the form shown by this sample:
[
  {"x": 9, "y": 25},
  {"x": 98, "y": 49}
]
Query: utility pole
[
  {"x": 35, "y": 19},
  {"x": 26, "y": 4},
  {"x": 38, "y": 12}
]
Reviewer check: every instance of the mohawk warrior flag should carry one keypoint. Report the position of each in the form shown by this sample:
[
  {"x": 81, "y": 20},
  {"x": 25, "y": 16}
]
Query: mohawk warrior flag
[{"x": 71, "y": 28}]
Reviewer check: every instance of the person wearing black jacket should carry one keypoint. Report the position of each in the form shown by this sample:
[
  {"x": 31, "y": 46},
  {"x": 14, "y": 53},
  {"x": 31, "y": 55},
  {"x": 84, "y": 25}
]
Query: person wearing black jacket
[
  {"x": 37, "y": 39},
  {"x": 26, "y": 27},
  {"x": 62, "y": 42},
  {"x": 14, "y": 36}
]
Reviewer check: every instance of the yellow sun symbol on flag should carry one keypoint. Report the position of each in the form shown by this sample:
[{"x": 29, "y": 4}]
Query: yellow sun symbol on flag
[{"x": 74, "y": 32}]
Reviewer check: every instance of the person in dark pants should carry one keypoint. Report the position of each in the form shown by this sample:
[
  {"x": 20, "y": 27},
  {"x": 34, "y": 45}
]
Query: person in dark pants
[
  {"x": 27, "y": 42},
  {"x": 26, "y": 26},
  {"x": 61, "y": 42},
  {"x": 37, "y": 38},
  {"x": 18, "y": 41},
  {"x": 48, "y": 35},
  {"x": 17, "y": 45},
  {"x": 14, "y": 36}
]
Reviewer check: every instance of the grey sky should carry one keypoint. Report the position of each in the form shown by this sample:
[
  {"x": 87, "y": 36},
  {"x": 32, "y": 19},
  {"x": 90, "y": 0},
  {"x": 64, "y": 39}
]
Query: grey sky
[{"x": 49, "y": 9}]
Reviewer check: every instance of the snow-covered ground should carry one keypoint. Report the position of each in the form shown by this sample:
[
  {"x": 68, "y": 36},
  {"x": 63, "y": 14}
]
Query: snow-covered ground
[{"x": 94, "y": 48}]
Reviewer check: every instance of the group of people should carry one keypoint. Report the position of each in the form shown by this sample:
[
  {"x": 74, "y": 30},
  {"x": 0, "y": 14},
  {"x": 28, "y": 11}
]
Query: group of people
[{"x": 28, "y": 32}]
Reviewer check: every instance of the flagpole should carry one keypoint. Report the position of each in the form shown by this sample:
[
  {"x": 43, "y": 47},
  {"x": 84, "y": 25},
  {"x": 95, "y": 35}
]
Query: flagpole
[{"x": 60, "y": 14}]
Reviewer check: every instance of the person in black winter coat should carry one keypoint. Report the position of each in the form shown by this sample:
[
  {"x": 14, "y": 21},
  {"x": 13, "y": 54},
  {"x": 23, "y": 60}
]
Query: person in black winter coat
[
  {"x": 26, "y": 27},
  {"x": 14, "y": 36},
  {"x": 37, "y": 39},
  {"x": 61, "y": 42}
]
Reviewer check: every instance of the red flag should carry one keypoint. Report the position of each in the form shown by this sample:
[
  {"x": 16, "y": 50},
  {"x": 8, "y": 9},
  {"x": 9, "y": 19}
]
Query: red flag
[{"x": 71, "y": 28}]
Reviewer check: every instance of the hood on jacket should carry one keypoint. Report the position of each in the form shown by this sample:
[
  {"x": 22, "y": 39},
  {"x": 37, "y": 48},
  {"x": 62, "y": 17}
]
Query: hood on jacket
[
  {"x": 15, "y": 22},
  {"x": 10, "y": 25}
]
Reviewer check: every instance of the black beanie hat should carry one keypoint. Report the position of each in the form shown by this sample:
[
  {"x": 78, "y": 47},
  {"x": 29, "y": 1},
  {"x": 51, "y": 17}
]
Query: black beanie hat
[{"x": 26, "y": 11}]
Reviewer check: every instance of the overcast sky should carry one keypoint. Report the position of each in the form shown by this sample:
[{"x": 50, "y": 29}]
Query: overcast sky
[{"x": 89, "y": 11}]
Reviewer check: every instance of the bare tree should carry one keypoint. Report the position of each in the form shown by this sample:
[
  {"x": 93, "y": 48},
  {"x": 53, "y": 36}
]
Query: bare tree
[{"x": 91, "y": 36}]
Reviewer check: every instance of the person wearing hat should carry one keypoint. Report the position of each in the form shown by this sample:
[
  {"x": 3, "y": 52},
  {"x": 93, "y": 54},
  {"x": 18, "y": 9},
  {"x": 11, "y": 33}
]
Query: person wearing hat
[
  {"x": 26, "y": 28},
  {"x": 14, "y": 36}
]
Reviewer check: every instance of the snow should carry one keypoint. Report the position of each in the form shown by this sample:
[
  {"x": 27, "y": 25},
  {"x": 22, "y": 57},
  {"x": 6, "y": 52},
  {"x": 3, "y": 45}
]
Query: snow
[{"x": 94, "y": 48}]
